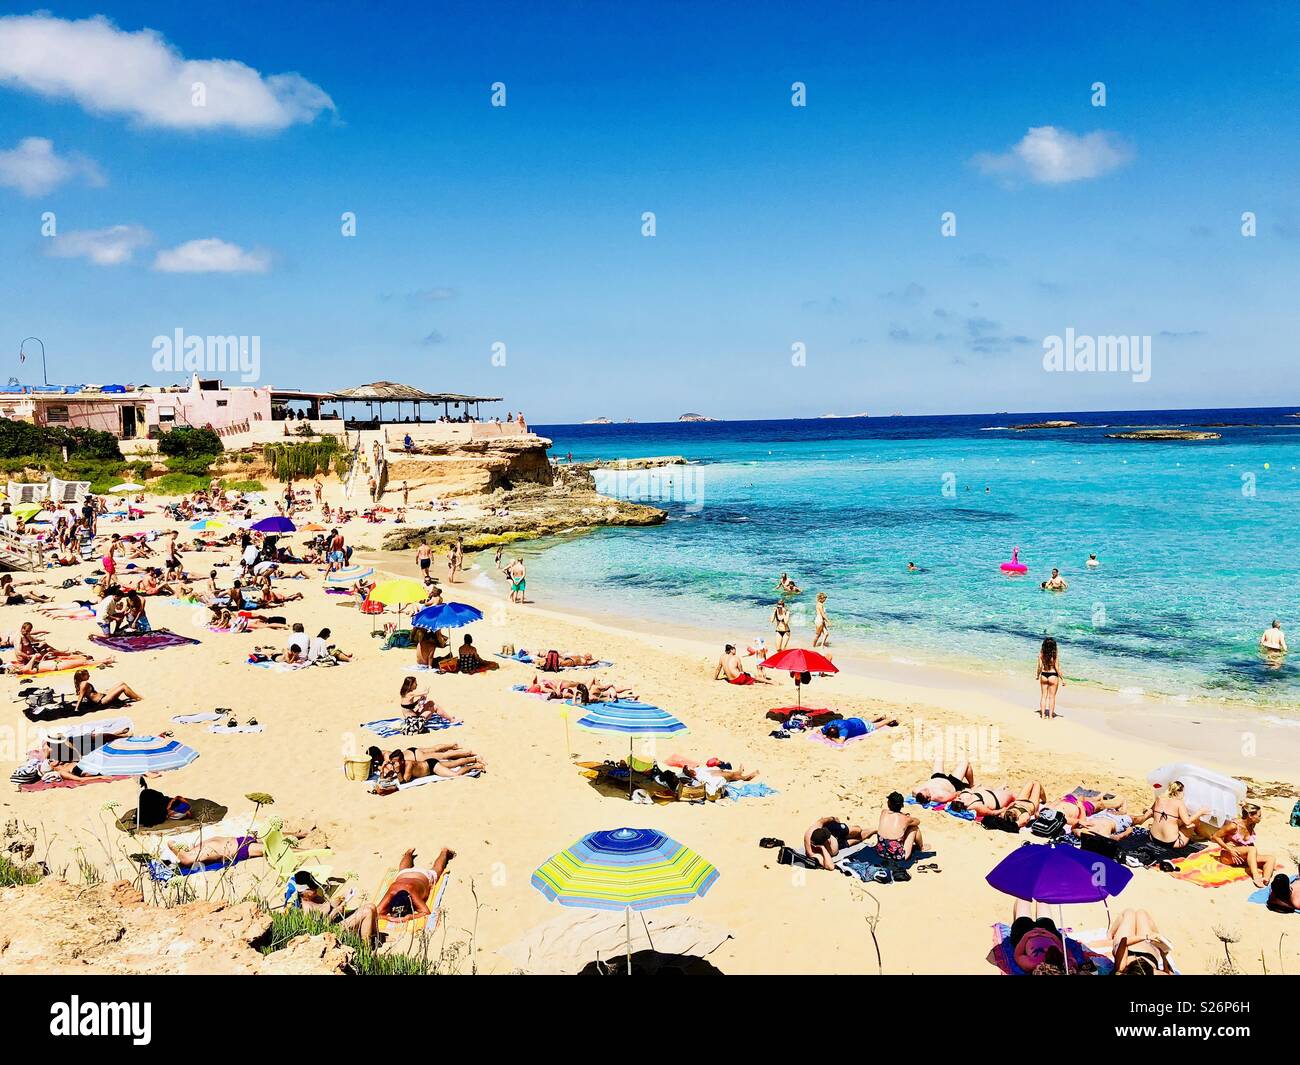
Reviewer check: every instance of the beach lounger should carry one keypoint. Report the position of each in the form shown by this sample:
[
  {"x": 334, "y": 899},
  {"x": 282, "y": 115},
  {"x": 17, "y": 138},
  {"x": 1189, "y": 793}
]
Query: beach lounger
[{"x": 286, "y": 859}]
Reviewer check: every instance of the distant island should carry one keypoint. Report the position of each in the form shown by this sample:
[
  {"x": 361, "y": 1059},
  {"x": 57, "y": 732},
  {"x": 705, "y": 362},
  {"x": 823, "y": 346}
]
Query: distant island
[
  {"x": 864, "y": 414},
  {"x": 1046, "y": 425},
  {"x": 1164, "y": 434},
  {"x": 696, "y": 418},
  {"x": 598, "y": 421}
]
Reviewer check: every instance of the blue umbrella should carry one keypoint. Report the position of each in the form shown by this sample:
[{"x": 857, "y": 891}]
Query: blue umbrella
[
  {"x": 446, "y": 616},
  {"x": 1058, "y": 873},
  {"x": 274, "y": 524},
  {"x": 134, "y": 755}
]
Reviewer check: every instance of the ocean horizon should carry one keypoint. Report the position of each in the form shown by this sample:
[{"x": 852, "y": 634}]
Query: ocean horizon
[{"x": 1191, "y": 537}]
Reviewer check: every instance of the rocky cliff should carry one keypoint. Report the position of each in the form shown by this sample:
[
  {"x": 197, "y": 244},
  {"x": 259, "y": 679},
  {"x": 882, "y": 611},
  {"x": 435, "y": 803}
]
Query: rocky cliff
[{"x": 468, "y": 468}]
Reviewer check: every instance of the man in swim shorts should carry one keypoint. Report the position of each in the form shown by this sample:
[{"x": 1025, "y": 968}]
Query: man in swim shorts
[
  {"x": 730, "y": 669},
  {"x": 1274, "y": 639},
  {"x": 824, "y": 840},
  {"x": 897, "y": 834},
  {"x": 409, "y": 893},
  {"x": 943, "y": 787}
]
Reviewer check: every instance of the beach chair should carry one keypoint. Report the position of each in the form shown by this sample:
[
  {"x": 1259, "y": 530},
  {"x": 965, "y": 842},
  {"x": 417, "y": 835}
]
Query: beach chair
[{"x": 286, "y": 859}]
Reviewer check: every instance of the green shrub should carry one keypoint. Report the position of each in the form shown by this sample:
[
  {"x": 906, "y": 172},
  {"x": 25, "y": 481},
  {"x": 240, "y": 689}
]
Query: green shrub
[
  {"x": 288, "y": 923},
  {"x": 296, "y": 461},
  {"x": 186, "y": 442},
  {"x": 244, "y": 486},
  {"x": 198, "y": 465},
  {"x": 178, "y": 484},
  {"x": 19, "y": 438},
  {"x": 16, "y": 875}
]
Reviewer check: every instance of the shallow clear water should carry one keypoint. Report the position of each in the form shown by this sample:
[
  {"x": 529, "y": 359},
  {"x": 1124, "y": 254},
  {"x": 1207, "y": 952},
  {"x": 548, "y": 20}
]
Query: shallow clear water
[{"x": 1194, "y": 539}]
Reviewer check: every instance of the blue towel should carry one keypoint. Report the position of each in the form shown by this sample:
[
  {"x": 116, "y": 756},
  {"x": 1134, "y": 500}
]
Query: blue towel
[
  {"x": 1260, "y": 895},
  {"x": 749, "y": 791}
]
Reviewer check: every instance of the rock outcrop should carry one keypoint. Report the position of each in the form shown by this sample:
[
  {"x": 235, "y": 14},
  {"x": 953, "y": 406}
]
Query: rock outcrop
[
  {"x": 1046, "y": 425},
  {"x": 1164, "y": 434},
  {"x": 61, "y": 928},
  {"x": 469, "y": 468}
]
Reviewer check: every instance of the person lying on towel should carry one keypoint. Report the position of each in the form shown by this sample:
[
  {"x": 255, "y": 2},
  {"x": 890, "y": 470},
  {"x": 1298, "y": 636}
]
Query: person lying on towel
[
  {"x": 409, "y": 893},
  {"x": 224, "y": 849}
]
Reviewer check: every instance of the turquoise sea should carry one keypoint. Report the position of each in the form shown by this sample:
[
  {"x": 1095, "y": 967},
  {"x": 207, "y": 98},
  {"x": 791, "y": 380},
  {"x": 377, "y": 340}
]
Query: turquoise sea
[{"x": 1197, "y": 541}]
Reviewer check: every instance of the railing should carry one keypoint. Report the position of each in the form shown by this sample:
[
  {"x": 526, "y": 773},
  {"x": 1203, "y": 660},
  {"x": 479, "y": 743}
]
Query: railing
[{"x": 18, "y": 553}]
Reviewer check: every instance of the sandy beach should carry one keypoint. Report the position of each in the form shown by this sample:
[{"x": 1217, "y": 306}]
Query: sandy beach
[{"x": 532, "y": 802}]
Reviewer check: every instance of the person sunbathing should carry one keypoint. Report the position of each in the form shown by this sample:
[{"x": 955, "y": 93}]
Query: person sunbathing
[
  {"x": 824, "y": 840},
  {"x": 443, "y": 760},
  {"x": 228, "y": 849},
  {"x": 731, "y": 670},
  {"x": 1116, "y": 823},
  {"x": 409, "y": 893},
  {"x": 1284, "y": 894},
  {"x": 1036, "y": 943},
  {"x": 33, "y": 651},
  {"x": 942, "y": 787},
  {"x": 1139, "y": 949},
  {"x": 1078, "y": 809},
  {"x": 89, "y": 698},
  {"x": 1238, "y": 846},
  {"x": 1169, "y": 817},
  {"x": 609, "y": 691},
  {"x": 11, "y": 596},
  {"x": 312, "y": 899},
  {"x": 898, "y": 835},
  {"x": 716, "y": 770},
  {"x": 982, "y": 801},
  {"x": 849, "y": 728}
]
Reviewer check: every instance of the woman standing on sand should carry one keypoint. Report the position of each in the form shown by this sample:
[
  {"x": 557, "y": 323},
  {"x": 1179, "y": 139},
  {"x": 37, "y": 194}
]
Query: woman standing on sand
[
  {"x": 1049, "y": 678},
  {"x": 821, "y": 623},
  {"x": 781, "y": 621}
]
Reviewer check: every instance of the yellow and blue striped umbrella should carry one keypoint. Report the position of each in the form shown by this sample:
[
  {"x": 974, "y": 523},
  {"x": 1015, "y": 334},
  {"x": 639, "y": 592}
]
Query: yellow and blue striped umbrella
[
  {"x": 624, "y": 869},
  {"x": 629, "y": 717}
]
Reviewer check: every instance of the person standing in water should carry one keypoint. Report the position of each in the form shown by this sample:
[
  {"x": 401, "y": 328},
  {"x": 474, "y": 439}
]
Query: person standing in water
[
  {"x": 518, "y": 581},
  {"x": 781, "y": 621},
  {"x": 821, "y": 623},
  {"x": 1274, "y": 639},
  {"x": 1049, "y": 678}
]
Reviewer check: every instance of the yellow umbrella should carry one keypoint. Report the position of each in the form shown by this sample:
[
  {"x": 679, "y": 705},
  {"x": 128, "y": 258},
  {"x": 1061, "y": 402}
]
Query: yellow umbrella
[
  {"x": 26, "y": 510},
  {"x": 401, "y": 592}
]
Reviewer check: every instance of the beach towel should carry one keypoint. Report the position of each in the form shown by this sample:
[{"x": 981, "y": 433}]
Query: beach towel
[
  {"x": 196, "y": 719},
  {"x": 816, "y": 717},
  {"x": 1002, "y": 956},
  {"x": 817, "y": 737},
  {"x": 748, "y": 790},
  {"x": 1260, "y": 897},
  {"x": 202, "y": 812},
  {"x": 1204, "y": 869},
  {"x": 419, "y": 782},
  {"x": 965, "y": 815},
  {"x": 66, "y": 613},
  {"x": 390, "y": 925},
  {"x": 392, "y": 726},
  {"x": 281, "y": 667},
  {"x": 56, "y": 672},
  {"x": 43, "y": 785},
  {"x": 144, "y": 641},
  {"x": 524, "y": 658}
]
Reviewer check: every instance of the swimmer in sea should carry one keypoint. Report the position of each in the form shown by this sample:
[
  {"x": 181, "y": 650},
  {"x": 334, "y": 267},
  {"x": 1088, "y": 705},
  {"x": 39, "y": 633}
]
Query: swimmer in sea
[
  {"x": 912, "y": 568},
  {"x": 1274, "y": 639},
  {"x": 1055, "y": 583},
  {"x": 1092, "y": 562}
]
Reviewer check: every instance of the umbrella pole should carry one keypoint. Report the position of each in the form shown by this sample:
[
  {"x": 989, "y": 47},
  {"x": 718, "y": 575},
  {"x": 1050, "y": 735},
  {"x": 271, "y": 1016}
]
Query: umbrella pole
[
  {"x": 1065, "y": 950},
  {"x": 628, "y": 926},
  {"x": 629, "y": 797}
]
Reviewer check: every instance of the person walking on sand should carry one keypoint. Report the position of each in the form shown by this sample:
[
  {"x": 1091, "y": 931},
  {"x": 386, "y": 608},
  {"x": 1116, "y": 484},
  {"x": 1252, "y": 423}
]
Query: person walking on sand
[
  {"x": 781, "y": 621},
  {"x": 1049, "y": 677},
  {"x": 518, "y": 581},
  {"x": 424, "y": 559},
  {"x": 1274, "y": 639},
  {"x": 316, "y": 487},
  {"x": 455, "y": 559},
  {"x": 821, "y": 623}
]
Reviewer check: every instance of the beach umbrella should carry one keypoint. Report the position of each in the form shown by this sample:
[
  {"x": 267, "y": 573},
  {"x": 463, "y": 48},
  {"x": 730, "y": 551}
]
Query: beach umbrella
[
  {"x": 1060, "y": 874},
  {"x": 274, "y": 524},
  {"x": 446, "y": 616},
  {"x": 625, "y": 869},
  {"x": 795, "y": 660},
  {"x": 399, "y": 593},
  {"x": 313, "y": 527},
  {"x": 207, "y": 524},
  {"x": 26, "y": 510},
  {"x": 631, "y": 719},
  {"x": 127, "y": 486},
  {"x": 349, "y": 574},
  {"x": 134, "y": 755},
  {"x": 372, "y": 606}
]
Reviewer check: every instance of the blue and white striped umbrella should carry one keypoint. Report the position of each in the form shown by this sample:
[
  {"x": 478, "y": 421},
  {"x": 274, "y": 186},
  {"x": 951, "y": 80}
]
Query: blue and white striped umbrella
[
  {"x": 629, "y": 718},
  {"x": 134, "y": 755},
  {"x": 349, "y": 574}
]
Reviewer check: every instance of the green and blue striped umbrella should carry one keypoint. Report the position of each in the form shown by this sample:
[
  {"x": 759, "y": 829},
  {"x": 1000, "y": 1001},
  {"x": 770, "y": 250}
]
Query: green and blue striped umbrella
[
  {"x": 624, "y": 869},
  {"x": 134, "y": 755}
]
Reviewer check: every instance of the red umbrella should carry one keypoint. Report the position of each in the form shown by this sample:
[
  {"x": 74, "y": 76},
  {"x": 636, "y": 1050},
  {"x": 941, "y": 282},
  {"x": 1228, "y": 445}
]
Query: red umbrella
[
  {"x": 372, "y": 606},
  {"x": 795, "y": 660}
]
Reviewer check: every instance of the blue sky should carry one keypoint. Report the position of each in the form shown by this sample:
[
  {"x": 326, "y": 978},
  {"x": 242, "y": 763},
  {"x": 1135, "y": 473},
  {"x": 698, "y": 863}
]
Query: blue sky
[{"x": 775, "y": 225}]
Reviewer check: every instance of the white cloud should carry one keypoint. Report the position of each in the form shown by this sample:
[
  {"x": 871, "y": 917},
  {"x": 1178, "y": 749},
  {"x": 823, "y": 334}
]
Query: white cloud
[
  {"x": 104, "y": 247},
  {"x": 1050, "y": 156},
  {"x": 34, "y": 168},
  {"x": 211, "y": 256},
  {"x": 111, "y": 71}
]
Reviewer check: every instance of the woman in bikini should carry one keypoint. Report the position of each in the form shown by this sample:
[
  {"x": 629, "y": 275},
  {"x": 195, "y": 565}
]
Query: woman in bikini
[
  {"x": 444, "y": 760},
  {"x": 88, "y": 697},
  {"x": 1115, "y": 823},
  {"x": 416, "y": 703},
  {"x": 1049, "y": 677},
  {"x": 1238, "y": 846},
  {"x": 409, "y": 894},
  {"x": 821, "y": 623},
  {"x": 1077, "y": 809},
  {"x": 1169, "y": 816},
  {"x": 1284, "y": 894},
  {"x": 1139, "y": 950},
  {"x": 781, "y": 621},
  {"x": 33, "y": 652}
]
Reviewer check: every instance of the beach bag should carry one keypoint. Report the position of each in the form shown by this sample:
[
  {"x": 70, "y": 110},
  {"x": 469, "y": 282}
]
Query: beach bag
[
  {"x": 28, "y": 773},
  {"x": 1002, "y": 824},
  {"x": 412, "y": 725},
  {"x": 1049, "y": 824},
  {"x": 356, "y": 768},
  {"x": 1295, "y": 815},
  {"x": 551, "y": 663},
  {"x": 1103, "y": 845}
]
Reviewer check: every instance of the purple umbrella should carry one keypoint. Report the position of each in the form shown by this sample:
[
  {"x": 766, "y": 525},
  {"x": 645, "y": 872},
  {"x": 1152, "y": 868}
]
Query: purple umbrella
[
  {"x": 274, "y": 524},
  {"x": 1058, "y": 873}
]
